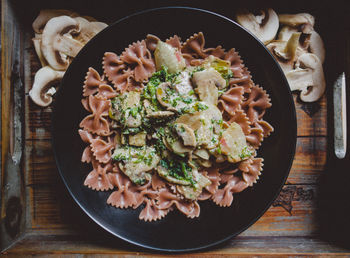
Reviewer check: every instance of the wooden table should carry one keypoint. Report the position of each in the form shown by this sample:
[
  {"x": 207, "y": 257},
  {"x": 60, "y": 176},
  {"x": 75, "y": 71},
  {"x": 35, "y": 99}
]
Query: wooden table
[{"x": 38, "y": 216}]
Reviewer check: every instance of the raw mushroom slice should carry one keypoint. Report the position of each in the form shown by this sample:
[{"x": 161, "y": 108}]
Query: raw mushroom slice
[
  {"x": 46, "y": 14},
  {"x": 58, "y": 44},
  {"x": 308, "y": 77},
  {"x": 286, "y": 52},
  {"x": 304, "y": 20},
  {"x": 316, "y": 46},
  {"x": 263, "y": 26},
  {"x": 87, "y": 30},
  {"x": 37, "y": 47},
  {"x": 42, "y": 90}
]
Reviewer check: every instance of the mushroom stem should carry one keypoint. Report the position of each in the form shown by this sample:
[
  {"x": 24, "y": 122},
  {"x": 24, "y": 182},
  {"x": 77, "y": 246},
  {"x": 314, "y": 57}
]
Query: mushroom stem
[{"x": 68, "y": 46}]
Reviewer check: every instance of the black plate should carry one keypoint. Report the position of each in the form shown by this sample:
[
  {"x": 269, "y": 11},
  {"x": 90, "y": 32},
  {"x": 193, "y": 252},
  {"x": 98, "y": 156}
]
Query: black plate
[{"x": 175, "y": 232}]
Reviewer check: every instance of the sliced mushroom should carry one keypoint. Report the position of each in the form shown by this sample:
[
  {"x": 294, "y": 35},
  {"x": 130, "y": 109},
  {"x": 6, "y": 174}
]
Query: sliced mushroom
[
  {"x": 164, "y": 173},
  {"x": 46, "y": 14},
  {"x": 233, "y": 143},
  {"x": 305, "y": 20},
  {"x": 132, "y": 99},
  {"x": 316, "y": 46},
  {"x": 186, "y": 133},
  {"x": 168, "y": 56},
  {"x": 192, "y": 193},
  {"x": 42, "y": 90},
  {"x": 176, "y": 146},
  {"x": 57, "y": 42},
  {"x": 138, "y": 139},
  {"x": 263, "y": 26},
  {"x": 208, "y": 82},
  {"x": 37, "y": 47},
  {"x": 308, "y": 77},
  {"x": 162, "y": 95},
  {"x": 160, "y": 114},
  {"x": 202, "y": 153},
  {"x": 87, "y": 30},
  {"x": 136, "y": 163},
  {"x": 201, "y": 123},
  {"x": 286, "y": 52}
]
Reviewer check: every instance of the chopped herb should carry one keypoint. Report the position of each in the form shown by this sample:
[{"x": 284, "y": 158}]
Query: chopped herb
[
  {"x": 187, "y": 100},
  {"x": 191, "y": 92},
  {"x": 218, "y": 149},
  {"x": 140, "y": 181},
  {"x": 245, "y": 153}
]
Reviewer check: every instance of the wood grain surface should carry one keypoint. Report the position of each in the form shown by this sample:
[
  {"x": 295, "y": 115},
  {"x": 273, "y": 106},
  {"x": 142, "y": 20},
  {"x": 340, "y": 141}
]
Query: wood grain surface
[{"x": 51, "y": 223}]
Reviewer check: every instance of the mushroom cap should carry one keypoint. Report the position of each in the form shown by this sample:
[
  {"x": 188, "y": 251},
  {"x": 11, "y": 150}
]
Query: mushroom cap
[
  {"x": 316, "y": 46},
  {"x": 57, "y": 45},
  {"x": 308, "y": 77},
  {"x": 298, "y": 19},
  {"x": 46, "y": 14},
  {"x": 264, "y": 26},
  {"x": 42, "y": 90}
]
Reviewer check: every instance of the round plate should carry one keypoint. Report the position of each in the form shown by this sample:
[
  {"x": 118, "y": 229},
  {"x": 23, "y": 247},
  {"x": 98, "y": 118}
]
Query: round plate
[{"x": 215, "y": 224}]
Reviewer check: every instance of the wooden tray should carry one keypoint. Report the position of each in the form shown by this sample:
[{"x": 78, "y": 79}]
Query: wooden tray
[{"x": 38, "y": 216}]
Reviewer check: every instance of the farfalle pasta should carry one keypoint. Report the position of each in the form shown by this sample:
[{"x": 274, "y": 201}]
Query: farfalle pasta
[{"x": 171, "y": 124}]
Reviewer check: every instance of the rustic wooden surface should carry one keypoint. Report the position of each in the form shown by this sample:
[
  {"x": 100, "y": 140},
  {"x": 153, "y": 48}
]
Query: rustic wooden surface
[{"x": 50, "y": 222}]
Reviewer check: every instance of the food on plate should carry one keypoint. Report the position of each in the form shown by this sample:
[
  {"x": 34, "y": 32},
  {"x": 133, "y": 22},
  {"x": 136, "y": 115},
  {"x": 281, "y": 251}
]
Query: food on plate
[
  {"x": 59, "y": 36},
  {"x": 296, "y": 43},
  {"x": 170, "y": 124}
]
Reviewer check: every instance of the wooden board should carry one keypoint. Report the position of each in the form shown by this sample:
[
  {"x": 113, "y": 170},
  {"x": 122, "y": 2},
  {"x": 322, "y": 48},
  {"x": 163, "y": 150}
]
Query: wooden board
[{"x": 39, "y": 217}]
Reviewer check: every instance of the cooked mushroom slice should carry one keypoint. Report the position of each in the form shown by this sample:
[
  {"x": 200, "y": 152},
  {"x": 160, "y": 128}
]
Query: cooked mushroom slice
[
  {"x": 208, "y": 82},
  {"x": 138, "y": 139},
  {"x": 168, "y": 56},
  {"x": 192, "y": 193},
  {"x": 202, "y": 153},
  {"x": 160, "y": 114},
  {"x": 233, "y": 143},
  {"x": 204, "y": 163},
  {"x": 209, "y": 76},
  {"x": 201, "y": 124},
  {"x": 175, "y": 145},
  {"x": 132, "y": 99},
  {"x": 42, "y": 90},
  {"x": 164, "y": 173},
  {"x": 137, "y": 163},
  {"x": 306, "y": 20},
  {"x": 130, "y": 105},
  {"x": 308, "y": 77},
  {"x": 286, "y": 52},
  {"x": 316, "y": 46},
  {"x": 263, "y": 26},
  {"x": 46, "y": 14},
  {"x": 186, "y": 133},
  {"x": 57, "y": 44},
  {"x": 162, "y": 95}
]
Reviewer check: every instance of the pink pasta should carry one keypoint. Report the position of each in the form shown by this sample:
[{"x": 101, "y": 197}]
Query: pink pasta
[{"x": 131, "y": 152}]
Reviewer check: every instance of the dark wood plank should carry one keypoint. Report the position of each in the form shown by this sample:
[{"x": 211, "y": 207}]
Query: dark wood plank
[
  {"x": 241, "y": 246},
  {"x": 12, "y": 196}
]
